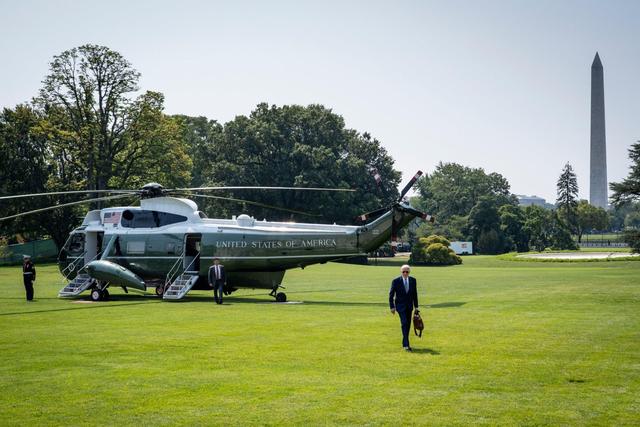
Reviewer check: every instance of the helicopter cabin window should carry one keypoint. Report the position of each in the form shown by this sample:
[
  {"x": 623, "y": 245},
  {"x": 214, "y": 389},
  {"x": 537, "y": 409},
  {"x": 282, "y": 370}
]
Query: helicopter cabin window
[
  {"x": 149, "y": 219},
  {"x": 135, "y": 248},
  {"x": 76, "y": 244},
  {"x": 171, "y": 248}
]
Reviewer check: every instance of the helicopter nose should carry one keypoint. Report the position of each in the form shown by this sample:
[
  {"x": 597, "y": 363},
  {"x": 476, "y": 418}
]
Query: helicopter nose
[{"x": 90, "y": 268}]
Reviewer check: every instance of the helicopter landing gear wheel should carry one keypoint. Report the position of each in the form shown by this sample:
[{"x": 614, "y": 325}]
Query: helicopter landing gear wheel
[
  {"x": 105, "y": 294},
  {"x": 281, "y": 297},
  {"x": 160, "y": 291},
  {"x": 96, "y": 295}
]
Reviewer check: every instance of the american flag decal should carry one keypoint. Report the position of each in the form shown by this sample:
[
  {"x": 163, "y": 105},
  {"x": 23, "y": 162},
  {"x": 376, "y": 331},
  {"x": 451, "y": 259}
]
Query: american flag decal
[{"x": 111, "y": 218}]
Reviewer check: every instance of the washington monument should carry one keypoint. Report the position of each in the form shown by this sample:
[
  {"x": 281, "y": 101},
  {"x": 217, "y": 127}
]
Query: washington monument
[{"x": 598, "y": 183}]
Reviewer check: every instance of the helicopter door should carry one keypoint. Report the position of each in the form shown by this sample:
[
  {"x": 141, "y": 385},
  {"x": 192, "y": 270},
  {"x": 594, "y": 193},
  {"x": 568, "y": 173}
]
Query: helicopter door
[
  {"x": 92, "y": 245},
  {"x": 191, "y": 260}
]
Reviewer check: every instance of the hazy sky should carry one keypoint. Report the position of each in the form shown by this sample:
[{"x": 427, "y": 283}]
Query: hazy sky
[{"x": 502, "y": 85}]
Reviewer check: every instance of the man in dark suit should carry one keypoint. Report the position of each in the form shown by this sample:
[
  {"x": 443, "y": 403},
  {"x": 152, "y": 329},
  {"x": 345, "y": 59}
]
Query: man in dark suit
[
  {"x": 28, "y": 276},
  {"x": 217, "y": 280},
  {"x": 403, "y": 297}
]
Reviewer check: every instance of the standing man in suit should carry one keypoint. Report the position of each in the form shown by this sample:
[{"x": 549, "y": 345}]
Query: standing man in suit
[
  {"x": 217, "y": 280},
  {"x": 403, "y": 297},
  {"x": 28, "y": 275}
]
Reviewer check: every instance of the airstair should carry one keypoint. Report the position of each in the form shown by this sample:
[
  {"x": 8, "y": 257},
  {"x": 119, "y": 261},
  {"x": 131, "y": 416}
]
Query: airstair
[
  {"x": 177, "y": 285},
  {"x": 79, "y": 284},
  {"x": 181, "y": 285}
]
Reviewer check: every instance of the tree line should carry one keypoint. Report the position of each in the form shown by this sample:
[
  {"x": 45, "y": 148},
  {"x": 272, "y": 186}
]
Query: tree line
[
  {"x": 91, "y": 127},
  {"x": 472, "y": 205}
]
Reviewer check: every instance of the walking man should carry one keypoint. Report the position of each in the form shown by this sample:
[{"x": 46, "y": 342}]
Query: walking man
[
  {"x": 403, "y": 297},
  {"x": 28, "y": 275},
  {"x": 217, "y": 280}
]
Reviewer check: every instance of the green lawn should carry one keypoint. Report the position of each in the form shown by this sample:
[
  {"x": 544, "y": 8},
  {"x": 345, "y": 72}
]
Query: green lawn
[{"x": 506, "y": 343}]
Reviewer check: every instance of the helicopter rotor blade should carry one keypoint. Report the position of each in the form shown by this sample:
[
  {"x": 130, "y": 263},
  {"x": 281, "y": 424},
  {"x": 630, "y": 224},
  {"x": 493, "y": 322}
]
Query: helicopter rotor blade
[
  {"x": 119, "y": 196},
  {"x": 57, "y": 193},
  {"x": 409, "y": 185},
  {"x": 231, "y": 199},
  {"x": 419, "y": 214},
  {"x": 368, "y": 215},
  {"x": 261, "y": 188}
]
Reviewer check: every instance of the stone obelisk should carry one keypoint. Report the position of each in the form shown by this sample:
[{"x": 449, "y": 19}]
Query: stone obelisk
[{"x": 598, "y": 183}]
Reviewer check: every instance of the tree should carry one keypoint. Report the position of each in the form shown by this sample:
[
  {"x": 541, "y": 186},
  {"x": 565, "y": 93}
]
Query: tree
[
  {"x": 484, "y": 227},
  {"x": 453, "y": 189},
  {"x": 567, "y": 200},
  {"x": 201, "y": 136},
  {"x": 618, "y": 214},
  {"x": 302, "y": 146},
  {"x": 537, "y": 226},
  {"x": 512, "y": 219},
  {"x": 87, "y": 94},
  {"x": 23, "y": 162},
  {"x": 456, "y": 228},
  {"x": 155, "y": 149},
  {"x": 561, "y": 238},
  {"x": 629, "y": 189},
  {"x": 589, "y": 218}
]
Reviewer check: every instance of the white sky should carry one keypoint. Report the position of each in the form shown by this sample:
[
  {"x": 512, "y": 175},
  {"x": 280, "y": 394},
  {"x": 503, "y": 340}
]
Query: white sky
[{"x": 503, "y": 85}]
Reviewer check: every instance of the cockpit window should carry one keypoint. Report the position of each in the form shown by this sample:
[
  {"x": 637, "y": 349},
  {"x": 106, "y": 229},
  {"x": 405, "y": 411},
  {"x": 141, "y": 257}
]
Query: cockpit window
[
  {"x": 149, "y": 219},
  {"x": 76, "y": 244}
]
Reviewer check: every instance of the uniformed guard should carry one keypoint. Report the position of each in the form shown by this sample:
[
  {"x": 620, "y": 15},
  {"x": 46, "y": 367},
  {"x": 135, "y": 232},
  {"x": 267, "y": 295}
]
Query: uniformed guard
[{"x": 28, "y": 275}]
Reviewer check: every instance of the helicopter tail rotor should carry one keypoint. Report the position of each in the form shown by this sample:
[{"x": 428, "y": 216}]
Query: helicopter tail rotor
[{"x": 398, "y": 206}]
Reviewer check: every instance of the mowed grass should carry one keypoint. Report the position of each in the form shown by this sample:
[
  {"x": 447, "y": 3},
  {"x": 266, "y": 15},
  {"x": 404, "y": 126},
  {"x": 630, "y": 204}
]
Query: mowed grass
[{"x": 505, "y": 343}]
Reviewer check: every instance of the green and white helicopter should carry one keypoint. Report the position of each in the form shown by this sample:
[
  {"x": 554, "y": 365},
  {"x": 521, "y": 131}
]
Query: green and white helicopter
[{"x": 167, "y": 243}]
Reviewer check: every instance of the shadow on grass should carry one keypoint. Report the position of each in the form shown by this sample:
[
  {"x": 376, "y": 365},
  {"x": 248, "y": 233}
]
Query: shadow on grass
[
  {"x": 244, "y": 300},
  {"x": 425, "y": 351},
  {"x": 446, "y": 304},
  {"x": 91, "y": 305}
]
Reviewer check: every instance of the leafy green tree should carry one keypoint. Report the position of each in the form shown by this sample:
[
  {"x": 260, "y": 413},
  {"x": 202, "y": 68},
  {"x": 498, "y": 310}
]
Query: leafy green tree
[
  {"x": 308, "y": 147},
  {"x": 23, "y": 162},
  {"x": 590, "y": 217},
  {"x": 155, "y": 149},
  {"x": 567, "y": 200},
  {"x": 632, "y": 237},
  {"x": 512, "y": 219},
  {"x": 629, "y": 189},
  {"x": 201, "y": 136},
  {"x": 484, "y": 227},
  {"x": 537, "y": 225},
  {"x": 453, "y": 189},
  {"x": 88, "y": 94},
  {"x": 561, "y": 238},
  {"x": 456, "y": 228},
  {"x": 618, "y": 214},
  {"x": 632, "y": 220},
  {"x": 30, "y": 164}
]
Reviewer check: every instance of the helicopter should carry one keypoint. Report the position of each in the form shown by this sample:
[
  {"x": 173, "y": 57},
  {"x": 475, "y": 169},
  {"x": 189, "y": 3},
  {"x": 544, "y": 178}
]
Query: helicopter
[{"x": 168, "y": 244}]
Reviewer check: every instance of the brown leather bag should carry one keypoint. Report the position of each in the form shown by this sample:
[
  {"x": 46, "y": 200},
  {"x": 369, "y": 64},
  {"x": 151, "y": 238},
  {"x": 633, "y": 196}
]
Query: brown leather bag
[{"x": 418, "y": 324}]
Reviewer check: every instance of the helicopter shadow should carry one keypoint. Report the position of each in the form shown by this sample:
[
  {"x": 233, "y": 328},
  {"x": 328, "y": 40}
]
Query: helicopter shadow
[
  {"x": 245, "y": 300},
  {"x": 89, "y": 305}
]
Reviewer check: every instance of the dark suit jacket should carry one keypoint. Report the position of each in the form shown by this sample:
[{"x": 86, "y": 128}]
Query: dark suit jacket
[
  {"x": 212, "y": 274},
  {"x": 399, "y": 299}
]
